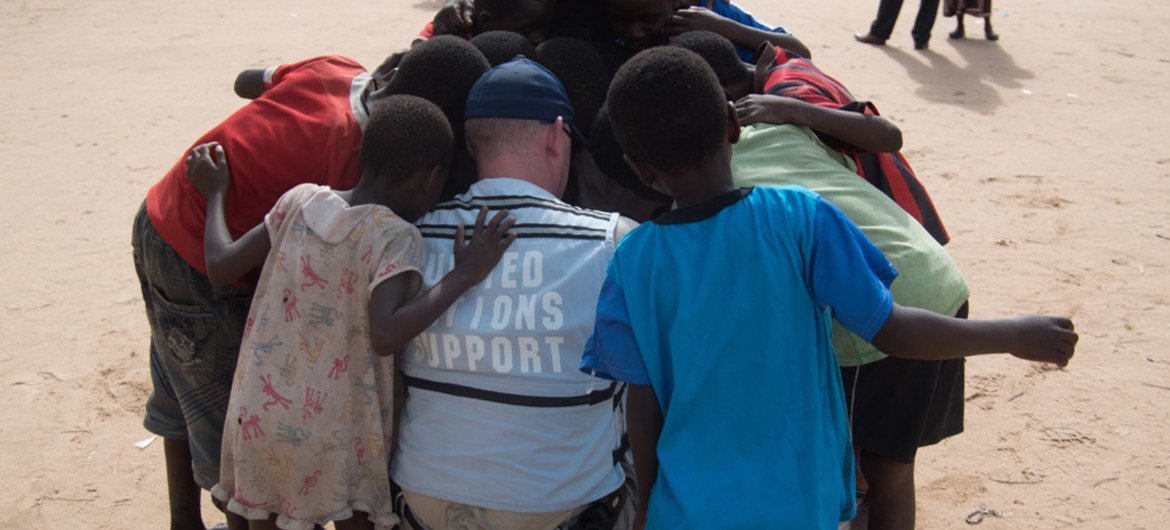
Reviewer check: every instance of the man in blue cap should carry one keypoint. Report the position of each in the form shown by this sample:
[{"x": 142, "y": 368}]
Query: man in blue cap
[{"x": 500, "y": 429}]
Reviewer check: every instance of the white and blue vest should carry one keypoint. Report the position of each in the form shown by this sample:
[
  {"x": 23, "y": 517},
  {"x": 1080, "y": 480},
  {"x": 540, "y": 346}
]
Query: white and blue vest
[{"x": 497, "y": 414}]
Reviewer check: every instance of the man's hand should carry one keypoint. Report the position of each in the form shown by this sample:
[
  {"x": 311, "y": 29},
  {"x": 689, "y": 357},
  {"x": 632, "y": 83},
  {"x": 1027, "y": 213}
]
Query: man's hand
[
  {"x": 208, "y": 176},
  {"x": 1044, "y": 339},
  {"x": 477, "y": 259}
]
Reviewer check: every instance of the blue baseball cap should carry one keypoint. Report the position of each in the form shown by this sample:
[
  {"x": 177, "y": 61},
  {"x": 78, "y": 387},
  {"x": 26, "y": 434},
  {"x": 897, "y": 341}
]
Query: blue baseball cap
[{"x": 521, "y": 89}]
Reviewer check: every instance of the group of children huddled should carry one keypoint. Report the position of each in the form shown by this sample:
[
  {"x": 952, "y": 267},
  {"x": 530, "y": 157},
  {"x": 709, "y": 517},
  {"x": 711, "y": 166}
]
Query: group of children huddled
[{"x": 749, "y": 318}]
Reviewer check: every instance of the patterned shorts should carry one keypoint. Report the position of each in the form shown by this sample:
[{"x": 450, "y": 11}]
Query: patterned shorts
[{"x": 195, "y": 332}]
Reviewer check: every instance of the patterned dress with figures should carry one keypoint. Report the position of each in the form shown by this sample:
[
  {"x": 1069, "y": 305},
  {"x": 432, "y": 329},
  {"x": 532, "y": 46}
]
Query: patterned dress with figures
[{"x": 309, "y": 418}]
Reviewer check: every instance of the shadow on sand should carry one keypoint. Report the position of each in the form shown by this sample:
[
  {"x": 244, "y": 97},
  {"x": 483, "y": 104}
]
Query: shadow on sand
[{"x": 972, "y": 85}]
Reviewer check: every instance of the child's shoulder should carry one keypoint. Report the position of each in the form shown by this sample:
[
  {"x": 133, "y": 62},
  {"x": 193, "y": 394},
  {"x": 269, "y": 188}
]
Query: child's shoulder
[{"x": 788, "y": 198}]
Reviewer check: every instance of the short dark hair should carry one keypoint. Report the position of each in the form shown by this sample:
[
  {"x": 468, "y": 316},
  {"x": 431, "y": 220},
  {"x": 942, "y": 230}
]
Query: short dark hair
[
  {"x": 607, "y": 155},
  {"x": 405, "y": 135},
  {"x": 442, "y": 71},
  {"x": 667, "y": 108},
  {"x": 499, "y": 47},
  {"x": 583, "y": 73},
  {"x": 499, "y": 8},
  {"x": 717, "y": 51}
]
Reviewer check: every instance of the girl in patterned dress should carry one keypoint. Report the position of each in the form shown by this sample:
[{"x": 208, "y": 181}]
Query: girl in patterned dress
[{"x": 310, "y": 422}]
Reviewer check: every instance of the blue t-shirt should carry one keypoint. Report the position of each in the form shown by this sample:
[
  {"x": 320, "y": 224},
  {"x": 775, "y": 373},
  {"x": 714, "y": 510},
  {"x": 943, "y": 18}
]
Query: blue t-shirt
[
  {"x": 724, "y": 309},
  {"x": 730, "y": 10}
]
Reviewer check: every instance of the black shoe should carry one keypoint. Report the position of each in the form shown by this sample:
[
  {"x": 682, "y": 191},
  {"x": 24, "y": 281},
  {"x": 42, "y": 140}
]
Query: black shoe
[{"x": 920, "y": 45}]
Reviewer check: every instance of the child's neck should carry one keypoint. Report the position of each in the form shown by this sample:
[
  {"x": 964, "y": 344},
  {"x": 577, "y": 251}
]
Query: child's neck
[
  {"x": 702, "y": 183},
  {"x": 364, "y": 192}
]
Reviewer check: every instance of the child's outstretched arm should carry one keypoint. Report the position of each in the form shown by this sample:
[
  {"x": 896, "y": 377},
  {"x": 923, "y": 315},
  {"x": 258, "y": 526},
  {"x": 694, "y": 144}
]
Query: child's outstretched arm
[
  {"x": 250, "y": 83},
  {"x": 395, "y": 321},
  {"x": 698, "y": 18},
  {"x": 225, "y": 260},
  {"x": 644, "y": 424},
  {"x": 869, "y": 133},
  {"x": 919, "y": 334}
]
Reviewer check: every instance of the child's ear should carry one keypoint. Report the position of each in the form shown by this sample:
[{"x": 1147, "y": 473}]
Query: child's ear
[
  {"x": 483, "y": 20},
  {"x": 732, "y": 123}
]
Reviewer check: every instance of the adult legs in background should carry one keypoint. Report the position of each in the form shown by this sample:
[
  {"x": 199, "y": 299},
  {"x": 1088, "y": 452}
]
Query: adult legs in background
[
  {"x": 924, "y": 22},
  {"x": 882, "y": 26},
  {"x": 989, "y": 33}
]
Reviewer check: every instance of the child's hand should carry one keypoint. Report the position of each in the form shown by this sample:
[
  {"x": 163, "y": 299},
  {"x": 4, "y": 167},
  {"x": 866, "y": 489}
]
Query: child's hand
[
  {"x": 204, "y": 173},
  {"x": 695, "y": 19},
  {"x": 455, "y": 18},
  {"x": 1045, "y": 339},
  {"x": 477, "y": 259},
  {"x": 762, "y": 108}
]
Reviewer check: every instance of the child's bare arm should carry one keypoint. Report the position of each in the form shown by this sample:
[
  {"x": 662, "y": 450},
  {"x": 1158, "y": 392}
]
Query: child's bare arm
[
  {"x": 250, "y": 83},
  {"x": 698, "y": 18},
  {"x": 919, "y": 334},
  {"x": 395, "y": 321},
  {"x": 873, "y": 134},
  {"x": 225, "y": 260},
  {"x": 645, "y": 428}
]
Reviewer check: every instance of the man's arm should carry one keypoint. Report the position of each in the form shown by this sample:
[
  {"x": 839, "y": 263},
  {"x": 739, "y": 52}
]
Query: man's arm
[
  {"x": 250, "y": 83},
  {"x": 225, "y": 260},
  {"x": 644, "y": 423},
  {"x": 873, "y": 134},
  {"x": 915, "y": 333}
]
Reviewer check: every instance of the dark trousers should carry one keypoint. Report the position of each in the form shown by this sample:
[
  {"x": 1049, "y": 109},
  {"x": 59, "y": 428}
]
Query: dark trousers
[{"x": 883, "y": 25}]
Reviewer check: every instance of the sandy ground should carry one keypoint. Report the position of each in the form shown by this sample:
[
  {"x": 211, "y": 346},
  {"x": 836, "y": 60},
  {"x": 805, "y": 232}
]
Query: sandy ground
[{"x": 1044, "y": 153}]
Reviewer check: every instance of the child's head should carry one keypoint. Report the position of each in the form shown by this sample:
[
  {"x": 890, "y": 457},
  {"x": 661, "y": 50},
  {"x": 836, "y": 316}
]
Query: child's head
[
  {"x": 440, "y": 70},
  {"x": 720, "y": 55},
  {"x": 608, "y": 156},
  {"x": 581, "y": 70},
  {"x": 668, "y": 113},
  {"x": 530, "y": 18},
  {"x": 499, "y": 47},
  {"x": 406, "y": 150},
  {"x": 639, "y": 22}
]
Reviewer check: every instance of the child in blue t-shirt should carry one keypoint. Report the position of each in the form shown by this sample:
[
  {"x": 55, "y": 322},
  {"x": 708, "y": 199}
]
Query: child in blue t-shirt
[{"x": 718, "y": 316}]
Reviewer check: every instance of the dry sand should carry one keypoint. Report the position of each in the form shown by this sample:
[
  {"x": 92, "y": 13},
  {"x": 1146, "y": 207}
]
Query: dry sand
[{"x": 1045, "y": 153}]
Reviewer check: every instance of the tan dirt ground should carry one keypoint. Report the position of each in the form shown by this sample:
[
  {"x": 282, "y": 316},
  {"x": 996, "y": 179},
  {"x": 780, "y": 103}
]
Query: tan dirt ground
[{"x": 1045, "y": 154}]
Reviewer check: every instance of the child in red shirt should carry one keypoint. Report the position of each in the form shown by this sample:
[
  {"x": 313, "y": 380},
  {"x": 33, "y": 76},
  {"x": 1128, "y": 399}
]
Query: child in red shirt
[{"x": 304, "y": 125}]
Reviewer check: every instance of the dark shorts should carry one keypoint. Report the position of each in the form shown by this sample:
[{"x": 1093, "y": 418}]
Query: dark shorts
[
  {"x": 899, "y": 405},
  {"x": 195, "y": 333}
]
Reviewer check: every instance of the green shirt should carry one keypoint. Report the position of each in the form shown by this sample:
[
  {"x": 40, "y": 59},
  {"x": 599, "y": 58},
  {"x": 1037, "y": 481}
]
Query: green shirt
[{"x": 775, "y": 155}]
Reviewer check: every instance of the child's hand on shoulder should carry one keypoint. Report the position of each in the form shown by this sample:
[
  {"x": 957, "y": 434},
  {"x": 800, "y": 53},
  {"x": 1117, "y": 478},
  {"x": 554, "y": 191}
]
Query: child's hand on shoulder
[
  {"x": 475, "y": 260},
  {"x": 205, "y": 173},
  {"x": 1045, "y": 339}
]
